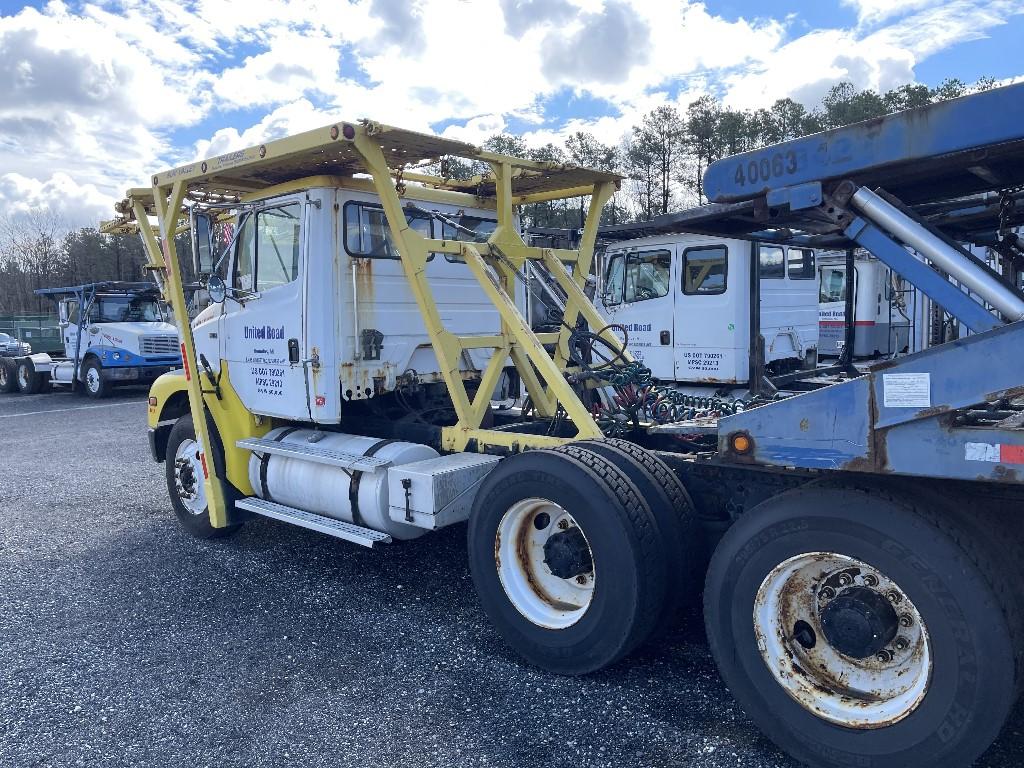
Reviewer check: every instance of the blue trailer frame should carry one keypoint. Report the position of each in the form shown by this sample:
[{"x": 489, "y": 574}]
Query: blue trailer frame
[{"x": 947, "y": 412}]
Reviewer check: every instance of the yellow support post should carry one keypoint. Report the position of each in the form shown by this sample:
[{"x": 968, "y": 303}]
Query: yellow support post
[{"x": 168, "y": 205}]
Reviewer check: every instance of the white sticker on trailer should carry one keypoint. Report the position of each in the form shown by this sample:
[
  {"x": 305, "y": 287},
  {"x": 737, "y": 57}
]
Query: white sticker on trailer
[
  {"x": 981, "y": 452},
  {"x": 907, "y": 390}
]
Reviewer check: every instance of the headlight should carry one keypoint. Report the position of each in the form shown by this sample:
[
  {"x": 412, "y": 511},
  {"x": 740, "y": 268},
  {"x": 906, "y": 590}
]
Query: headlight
[{"x": 116, "y": 355}]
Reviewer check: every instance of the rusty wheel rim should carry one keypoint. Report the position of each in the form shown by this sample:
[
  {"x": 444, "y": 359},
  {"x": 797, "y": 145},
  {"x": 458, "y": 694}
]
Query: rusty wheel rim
[
  {"x": 871, "y": 672},
  {"x": 543, "y": 598}
]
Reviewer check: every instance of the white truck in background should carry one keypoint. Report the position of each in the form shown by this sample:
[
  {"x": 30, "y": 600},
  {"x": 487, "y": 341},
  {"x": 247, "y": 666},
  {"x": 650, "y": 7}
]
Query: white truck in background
[
  {"x": 113, "y": 333},
  {"x": 880, "y": 311},
  {"x": 685, "y": 302}
]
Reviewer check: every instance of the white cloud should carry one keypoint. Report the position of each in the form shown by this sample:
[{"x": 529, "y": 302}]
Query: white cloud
[
  {"x": 78, "y": 205},
  {"x": 109, "y": 91},
  {"x": 873, "y": 11}
]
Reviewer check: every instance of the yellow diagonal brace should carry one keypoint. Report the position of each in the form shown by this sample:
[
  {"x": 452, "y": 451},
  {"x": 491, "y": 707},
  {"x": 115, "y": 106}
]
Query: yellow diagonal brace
[
  {"x": 528, "y": 343},
  {"x": 168, "y": 201}
]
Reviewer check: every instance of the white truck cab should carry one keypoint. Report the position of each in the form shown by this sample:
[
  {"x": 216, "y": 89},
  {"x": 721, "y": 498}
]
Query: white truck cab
[
  {"x": 318, "y": 308},
  {"x": 113, "y": 333},
  {"x": 684, "y": 300}
]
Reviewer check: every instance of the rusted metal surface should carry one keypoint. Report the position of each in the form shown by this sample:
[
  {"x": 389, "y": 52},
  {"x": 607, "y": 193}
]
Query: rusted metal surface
[{"x": 872, "y": 692}]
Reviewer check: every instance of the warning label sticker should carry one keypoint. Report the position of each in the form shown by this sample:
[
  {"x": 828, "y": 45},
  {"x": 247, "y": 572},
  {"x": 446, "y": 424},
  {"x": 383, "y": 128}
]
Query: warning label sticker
[{"x": 907, "y": 390}]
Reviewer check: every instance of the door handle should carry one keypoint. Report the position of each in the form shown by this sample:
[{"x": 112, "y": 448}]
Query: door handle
[
  {"x": 666, "y": 338},
  {"x": 293, "y": 351}
]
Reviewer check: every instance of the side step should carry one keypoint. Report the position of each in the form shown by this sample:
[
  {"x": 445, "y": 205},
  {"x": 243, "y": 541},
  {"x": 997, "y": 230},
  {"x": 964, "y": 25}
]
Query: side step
[
  {"x": 337, "y": 528},
  {"x": 310, "y": 452}
]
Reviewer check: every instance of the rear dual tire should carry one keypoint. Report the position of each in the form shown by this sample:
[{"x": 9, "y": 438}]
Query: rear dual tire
[
  {"x": 936, "y": 692},
  {"x": 28, "y": 380},
  {"x": 8, "y": 375},
  {"x": 607, "y": 545}
]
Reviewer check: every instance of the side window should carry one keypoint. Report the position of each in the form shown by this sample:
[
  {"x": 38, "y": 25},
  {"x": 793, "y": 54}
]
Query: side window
[
  {"x": 367, "y": 234},
  {"x": 647, "y": 275},
  {"x": 479, "y": 230},
  {"x": 833, "y": 285},
  {"x": 773, "y": 265},
  {"x": 245, "y": 256},
  {"x": 277, "y": 246},
  {"x": 801, "y": 264},
  {"x": 72, "y": 312},
  {"x": 705, "y": 270},
  {"x": 613, "y": 275}
]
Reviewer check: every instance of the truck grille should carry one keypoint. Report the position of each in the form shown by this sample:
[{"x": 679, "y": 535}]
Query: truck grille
[{"x": 164, "y": 344}]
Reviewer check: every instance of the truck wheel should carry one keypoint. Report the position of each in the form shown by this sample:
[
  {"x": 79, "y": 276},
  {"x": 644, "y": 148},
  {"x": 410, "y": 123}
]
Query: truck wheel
[
  {"x": 184, "y": 471},
  {"x": 685, "y": 558},
  {"x": 857, "y": 628},
  {"x": 8, "y": 375},
  {"x": 566, "y": 559},
  {"x": 93, "y": 383},
  {"x": 28, "y": 380}
]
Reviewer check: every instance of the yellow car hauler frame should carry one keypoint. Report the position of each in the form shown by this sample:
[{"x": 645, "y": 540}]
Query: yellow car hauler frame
[{"x": 384, "y": 153}]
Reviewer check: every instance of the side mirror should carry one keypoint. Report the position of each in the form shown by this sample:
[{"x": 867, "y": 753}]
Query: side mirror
[
  {"x": 202, "y": 243},
  {"x": 217, "y": 289},
  {"x": 63, "y": 323}
]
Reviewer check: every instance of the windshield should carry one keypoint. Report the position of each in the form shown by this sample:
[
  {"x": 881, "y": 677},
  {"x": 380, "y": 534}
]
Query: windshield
[{"x": 124, "y": 309}]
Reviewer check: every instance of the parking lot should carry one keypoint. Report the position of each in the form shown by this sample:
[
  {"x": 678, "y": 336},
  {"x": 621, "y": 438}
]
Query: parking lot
[{"x": 124, "y": 642}]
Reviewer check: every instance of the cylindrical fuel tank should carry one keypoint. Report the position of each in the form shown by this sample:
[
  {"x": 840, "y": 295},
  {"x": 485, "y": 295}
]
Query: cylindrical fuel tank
[{"x": 330, "y": 491}]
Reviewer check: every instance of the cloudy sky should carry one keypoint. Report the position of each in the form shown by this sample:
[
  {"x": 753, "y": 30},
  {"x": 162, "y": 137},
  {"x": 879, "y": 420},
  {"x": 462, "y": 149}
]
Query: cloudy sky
[{"x": 96, "y": 96}]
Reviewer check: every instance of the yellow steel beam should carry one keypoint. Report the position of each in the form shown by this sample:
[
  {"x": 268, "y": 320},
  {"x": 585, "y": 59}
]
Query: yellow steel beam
[{"x": 168, "y": 199}]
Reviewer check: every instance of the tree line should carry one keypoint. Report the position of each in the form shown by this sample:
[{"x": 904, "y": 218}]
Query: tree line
[{"x": 663, "y": 160}]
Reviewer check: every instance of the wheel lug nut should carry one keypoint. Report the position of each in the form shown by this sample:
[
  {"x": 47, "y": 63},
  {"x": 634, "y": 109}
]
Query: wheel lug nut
[
  {"x": 563, "y": 524},
  {"x": 844, "y": 579},
  {"x": 901, "y": 644},
  {"x": 894, "y": 596},
  {"x": 884, "y": 656},
  {"x": 870, "y": 580},
  {"x": 906, "y": 620},
  {"x": 581, "y": 579},
  {"x": 827, "y": 593}
]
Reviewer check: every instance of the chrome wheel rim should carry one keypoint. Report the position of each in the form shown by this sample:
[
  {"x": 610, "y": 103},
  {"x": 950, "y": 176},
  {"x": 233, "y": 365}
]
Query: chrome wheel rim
[
  {"x": 188, "y": 477},
  {"x": 534, "y": 537},
  {"x": 843, "y": 640}
]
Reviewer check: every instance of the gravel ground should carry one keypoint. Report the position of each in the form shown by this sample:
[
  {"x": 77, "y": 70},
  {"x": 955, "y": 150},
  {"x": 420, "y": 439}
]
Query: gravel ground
[{"x": 124, "y": 642}]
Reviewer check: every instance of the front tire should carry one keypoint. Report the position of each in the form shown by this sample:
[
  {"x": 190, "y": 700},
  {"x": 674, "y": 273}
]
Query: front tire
[
  {"x": 184, "y": 474},
  {"x": 566, "y": 559},
  {"x": 856, "y": 628},
  {"x": 93, "y": 383}
]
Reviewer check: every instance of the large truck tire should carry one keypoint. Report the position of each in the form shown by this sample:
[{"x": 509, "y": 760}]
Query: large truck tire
[
  {"x": 858, "y": 627},
  {"x": 184, "y": 473},
  {"x": 93, "y": 383},
  {"x": 28, "y": 380},
  {"x": 8, "y": 375},
  {"x": 682, "y": 537},
  {"x": 566, "y": 559}
]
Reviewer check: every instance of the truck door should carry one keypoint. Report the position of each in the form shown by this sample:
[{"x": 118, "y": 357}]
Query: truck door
[
  {"x": 707, "y": 318},
  {"x": 637, "y": 294},
  {"x": 262, "y": 335},
  {"x": 69, "y": 318}
]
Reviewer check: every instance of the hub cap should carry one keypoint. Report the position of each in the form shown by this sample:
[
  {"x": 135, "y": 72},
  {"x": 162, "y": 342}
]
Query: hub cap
[
  {"x": 545, "y": 563},
  {"x": 843, "y": 640},
  {"x": 188, "y": 477}
]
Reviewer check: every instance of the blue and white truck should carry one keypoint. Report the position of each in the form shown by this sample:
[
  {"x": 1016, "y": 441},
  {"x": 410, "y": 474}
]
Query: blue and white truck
[{"x": 113, "y": 333}]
